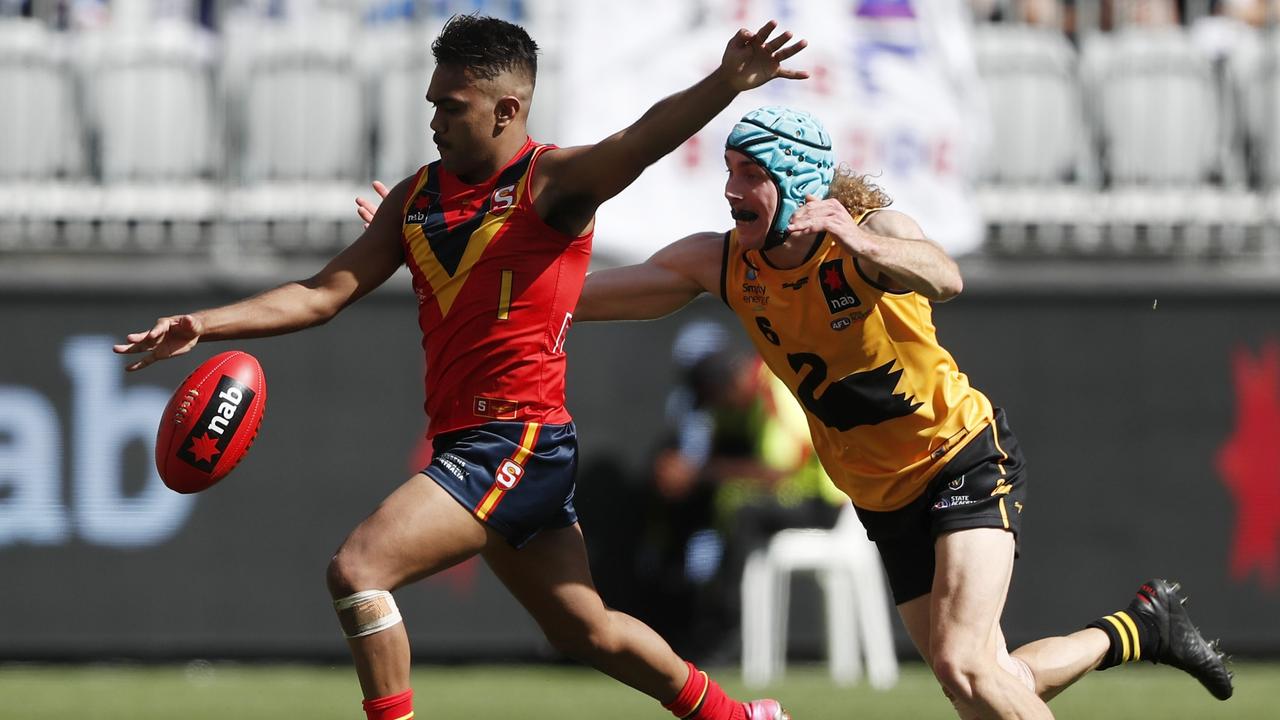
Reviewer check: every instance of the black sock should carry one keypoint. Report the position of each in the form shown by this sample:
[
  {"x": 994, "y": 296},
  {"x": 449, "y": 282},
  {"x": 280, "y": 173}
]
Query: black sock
[{"x": 1132, "y": 633}]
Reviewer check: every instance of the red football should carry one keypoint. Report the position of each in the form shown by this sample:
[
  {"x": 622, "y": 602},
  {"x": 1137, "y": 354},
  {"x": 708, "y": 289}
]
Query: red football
[{"x": 211, "y": 421}]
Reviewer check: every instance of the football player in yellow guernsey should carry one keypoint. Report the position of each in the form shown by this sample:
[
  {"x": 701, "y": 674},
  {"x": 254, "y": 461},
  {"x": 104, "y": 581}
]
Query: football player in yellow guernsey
[{"x": 835, "y": 292}]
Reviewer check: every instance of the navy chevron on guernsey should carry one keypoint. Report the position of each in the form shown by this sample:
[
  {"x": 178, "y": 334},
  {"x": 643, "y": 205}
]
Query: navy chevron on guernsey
[{"x": 449, "y": 243}]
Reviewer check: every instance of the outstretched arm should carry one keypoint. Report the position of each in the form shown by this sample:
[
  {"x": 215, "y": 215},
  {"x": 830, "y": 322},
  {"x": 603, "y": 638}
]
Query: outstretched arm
[
  {"x": 889, "y": 244},
  {"x": 659, "y": 286},
  {"x": 572, "y": 182},
  {"x": 358, "y": 269}
]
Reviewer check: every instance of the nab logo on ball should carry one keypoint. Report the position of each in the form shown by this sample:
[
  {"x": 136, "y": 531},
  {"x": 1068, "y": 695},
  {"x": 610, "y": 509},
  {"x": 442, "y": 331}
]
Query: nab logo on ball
[
  {"x": 215, "y": 428},
  {"x": 211, "y": 422}
]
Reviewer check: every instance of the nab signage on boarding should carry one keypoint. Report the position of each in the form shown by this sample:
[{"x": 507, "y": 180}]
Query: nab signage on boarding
[{"x": 65, "y": 478}]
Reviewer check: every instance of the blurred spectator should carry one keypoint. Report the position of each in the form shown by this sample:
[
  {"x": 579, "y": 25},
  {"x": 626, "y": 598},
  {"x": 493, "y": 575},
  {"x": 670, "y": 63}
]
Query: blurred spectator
[
  {"x": 88, "y": 14},
  {"x": 1232, "y": 38},
  {"x": 1048, "y": 13},
  {"x": 678, "y": 550},
  {"x": 1232, "y": 28},
  {"x": 15, "y": 8},
  {"x": 678, "y": 546},
  {"x": 1146, "y": 13},
  {"x": 737, "y": 468},
  {"x": 765, "y": 476}
]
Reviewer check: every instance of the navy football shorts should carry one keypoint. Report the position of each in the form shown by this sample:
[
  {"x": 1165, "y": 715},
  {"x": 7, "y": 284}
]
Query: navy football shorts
[
  {"x": 983, "y": 486},
  {"x": 516, "y": 477}
]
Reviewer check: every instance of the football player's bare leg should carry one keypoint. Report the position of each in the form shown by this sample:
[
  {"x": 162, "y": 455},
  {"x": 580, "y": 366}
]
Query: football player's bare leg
[
  {"x": 1049, "y": 665},
  {"x": 551, "y": 578},
  {"x": 417, "y": 531},
  {"x": 1057, "y": 662},
  {"x": 965, "y": 644}
]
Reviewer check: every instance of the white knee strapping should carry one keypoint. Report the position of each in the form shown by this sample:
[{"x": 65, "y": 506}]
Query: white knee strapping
[{"x": 366, "y": 612}]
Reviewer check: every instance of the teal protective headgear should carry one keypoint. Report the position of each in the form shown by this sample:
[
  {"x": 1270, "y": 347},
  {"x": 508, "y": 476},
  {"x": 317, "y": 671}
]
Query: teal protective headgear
[{"x": 794, "y": 148}]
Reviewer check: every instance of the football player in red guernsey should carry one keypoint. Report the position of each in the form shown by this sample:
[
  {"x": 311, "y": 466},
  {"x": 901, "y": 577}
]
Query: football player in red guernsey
[{"x": 497, "y": 235}]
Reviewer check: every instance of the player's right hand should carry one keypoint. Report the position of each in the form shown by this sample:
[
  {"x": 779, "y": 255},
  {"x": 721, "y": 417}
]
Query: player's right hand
[
  {"x": 366, "y": 209},
  {"x": 171, "y": 336},
  {"x": 751, "y": 59}
]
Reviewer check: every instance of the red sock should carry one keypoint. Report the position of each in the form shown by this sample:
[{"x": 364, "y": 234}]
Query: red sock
[
  {"x": 702, "y": 699},
  {"x": 391, "y": 707}
]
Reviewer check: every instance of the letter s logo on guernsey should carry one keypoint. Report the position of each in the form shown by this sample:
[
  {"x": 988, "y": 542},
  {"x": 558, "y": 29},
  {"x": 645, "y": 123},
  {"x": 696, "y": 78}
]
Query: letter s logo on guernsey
[{"x": 502, "y": 199}]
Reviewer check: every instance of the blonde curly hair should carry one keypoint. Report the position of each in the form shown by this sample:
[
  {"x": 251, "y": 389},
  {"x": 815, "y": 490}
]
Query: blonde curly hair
[{"x": 856, "y": 192}]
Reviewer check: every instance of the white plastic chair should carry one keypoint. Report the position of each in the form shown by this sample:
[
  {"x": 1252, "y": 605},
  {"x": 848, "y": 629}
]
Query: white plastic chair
[{"x": 857, "y": 605}]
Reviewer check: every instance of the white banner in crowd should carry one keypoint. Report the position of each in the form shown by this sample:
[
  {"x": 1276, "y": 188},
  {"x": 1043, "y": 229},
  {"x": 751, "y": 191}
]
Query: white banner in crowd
[{"x": 894, "y": 81}]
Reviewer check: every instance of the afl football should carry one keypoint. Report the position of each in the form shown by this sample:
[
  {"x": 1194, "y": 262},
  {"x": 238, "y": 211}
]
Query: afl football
[{"x": 211, "y": 421}]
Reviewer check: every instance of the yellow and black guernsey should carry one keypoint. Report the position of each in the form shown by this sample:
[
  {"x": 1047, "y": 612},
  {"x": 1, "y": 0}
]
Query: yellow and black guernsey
[{"x": 886, "y": 404}]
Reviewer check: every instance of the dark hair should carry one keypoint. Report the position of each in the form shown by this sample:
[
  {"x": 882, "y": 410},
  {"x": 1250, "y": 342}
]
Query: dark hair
[
  {"x": 486, "y": 47},
  {"x": 711, "y": 377}
]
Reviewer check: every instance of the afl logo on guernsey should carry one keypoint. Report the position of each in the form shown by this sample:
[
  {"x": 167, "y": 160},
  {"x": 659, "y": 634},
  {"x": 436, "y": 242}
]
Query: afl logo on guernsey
[{"x": 835, "y": 288}]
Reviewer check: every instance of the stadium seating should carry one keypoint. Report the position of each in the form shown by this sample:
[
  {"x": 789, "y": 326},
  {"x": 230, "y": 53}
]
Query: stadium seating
[
  {"x": 298, "y": 104},
  {"x": 857, "y": 605},
  {"x": 1164, "y": 126},
  {"x": 1029, "y": 74},
  {"x": 1157, "y": 107},
  {"x": 43, "y": 159},
  {"x": 1040, "y": 172},
  {"x": 148, "y": 135},
  {"x": 1258, "y": 77},
  {"x": 399, "y": 82},
  {"x": 151, "y": 100}
]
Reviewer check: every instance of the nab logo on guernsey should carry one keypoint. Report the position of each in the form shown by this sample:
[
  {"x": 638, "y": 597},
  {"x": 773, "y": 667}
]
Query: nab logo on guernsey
[
  {"x": 217, "y": 425},
  {"x": 835, "y": 288},
  {"x": 421, "y": 208}
]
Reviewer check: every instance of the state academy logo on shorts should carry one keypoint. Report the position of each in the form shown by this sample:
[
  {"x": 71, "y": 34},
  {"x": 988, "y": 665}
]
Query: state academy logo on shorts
[{"x": 835, "y": 288}]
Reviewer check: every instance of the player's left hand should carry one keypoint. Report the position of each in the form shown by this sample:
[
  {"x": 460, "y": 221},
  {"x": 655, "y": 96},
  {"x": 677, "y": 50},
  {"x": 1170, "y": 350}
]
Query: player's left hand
[
  {"x": 752, "y": 59},
  {"x": 818, "y": 215},
  {"x": 366, "y": 209}
]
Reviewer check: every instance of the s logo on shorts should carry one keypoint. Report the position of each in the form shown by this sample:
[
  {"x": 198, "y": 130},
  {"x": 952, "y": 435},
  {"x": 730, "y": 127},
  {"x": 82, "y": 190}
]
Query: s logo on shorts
[{"x": 508, "y": 474}]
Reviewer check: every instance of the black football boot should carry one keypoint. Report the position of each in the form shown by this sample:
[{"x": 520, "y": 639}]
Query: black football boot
[{"x": 1178, "y": 642}]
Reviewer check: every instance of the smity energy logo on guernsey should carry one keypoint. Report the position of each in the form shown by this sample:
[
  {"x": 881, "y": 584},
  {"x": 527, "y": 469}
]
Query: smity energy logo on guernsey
[
  {"x": 217, "y": 424},
  {"x": 835, "y": 288}
]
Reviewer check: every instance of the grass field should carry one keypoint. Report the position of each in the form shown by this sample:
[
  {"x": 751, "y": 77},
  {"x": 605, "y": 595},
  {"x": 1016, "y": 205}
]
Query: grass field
[{"x": 256, "y": 692}]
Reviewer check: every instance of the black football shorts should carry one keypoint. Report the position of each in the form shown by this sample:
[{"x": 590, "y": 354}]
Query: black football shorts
[{"x": 982, "y": 486}]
